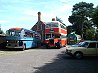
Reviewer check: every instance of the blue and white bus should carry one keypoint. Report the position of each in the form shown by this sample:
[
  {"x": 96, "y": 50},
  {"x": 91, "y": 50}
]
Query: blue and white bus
[{"x": 22, "y": 38}]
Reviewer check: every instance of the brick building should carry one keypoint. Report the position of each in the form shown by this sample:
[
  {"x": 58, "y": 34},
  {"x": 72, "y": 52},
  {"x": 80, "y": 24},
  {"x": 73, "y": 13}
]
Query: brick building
[{"x": 40, "y": 27}]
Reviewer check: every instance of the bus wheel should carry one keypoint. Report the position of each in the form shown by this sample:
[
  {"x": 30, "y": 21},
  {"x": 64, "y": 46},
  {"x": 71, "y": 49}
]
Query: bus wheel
[{"x": 58, "y": 46}]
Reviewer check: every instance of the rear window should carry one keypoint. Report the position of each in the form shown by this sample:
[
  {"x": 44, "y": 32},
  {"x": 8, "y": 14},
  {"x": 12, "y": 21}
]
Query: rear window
[{"x": 92, "y": 45}]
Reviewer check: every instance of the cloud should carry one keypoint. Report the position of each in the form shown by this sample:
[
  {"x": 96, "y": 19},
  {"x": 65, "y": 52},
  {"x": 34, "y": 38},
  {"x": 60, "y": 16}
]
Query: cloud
[
  {"x": 65, "y": 1},
  {"x": 64, "y": 10},
  {"x": 4, "y": 21},
  {"x": 95, "y": 2},
  {"x": 30, "y": 12},
  {"x": 24, "y": 19},
  {"x": 45, "y": 16}
]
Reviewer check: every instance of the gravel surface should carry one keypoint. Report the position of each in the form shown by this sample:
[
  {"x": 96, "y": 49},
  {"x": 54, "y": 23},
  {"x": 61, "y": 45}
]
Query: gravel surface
[
  {"x": 45, "y": 61},
  {"x": 25, "y": 61}
]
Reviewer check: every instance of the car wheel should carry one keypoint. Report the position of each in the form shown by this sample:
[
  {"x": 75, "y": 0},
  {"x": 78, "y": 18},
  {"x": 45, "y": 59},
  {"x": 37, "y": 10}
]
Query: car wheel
[{"x": 78, "y": 55}]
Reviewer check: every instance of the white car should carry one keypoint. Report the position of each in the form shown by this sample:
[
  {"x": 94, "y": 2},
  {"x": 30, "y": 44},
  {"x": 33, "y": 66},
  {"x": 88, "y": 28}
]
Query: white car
[{"x": 85, "y": 48}]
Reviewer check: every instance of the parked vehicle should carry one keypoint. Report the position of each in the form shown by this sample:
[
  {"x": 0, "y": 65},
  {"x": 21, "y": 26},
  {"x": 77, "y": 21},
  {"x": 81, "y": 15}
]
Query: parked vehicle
[
  {"x": 2, "y": 41},
  {"x": 22, "y": 38},
  {"x": 73, "y": 38},
  {"x": 85, "y": 48},
  {"x": 55, "y": 34}
]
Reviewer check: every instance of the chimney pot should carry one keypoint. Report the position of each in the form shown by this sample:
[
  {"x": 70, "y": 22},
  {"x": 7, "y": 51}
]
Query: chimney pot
[
  {"x": 39, "y": 13},
  {"x": 53, "y": 19}
]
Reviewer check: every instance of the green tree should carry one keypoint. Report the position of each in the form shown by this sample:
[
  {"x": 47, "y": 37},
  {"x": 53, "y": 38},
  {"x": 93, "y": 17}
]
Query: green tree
[
  {"x": 69, "y": 29},
  {"x": 96, "y": 36},
  {"x": 80, "y": 17},
  {"x": 59, "y": 19},
  {"x": 90, "y": 34},
  {"x": 95, "y": 20},
  {"x": 1, "y": 32},
  {"x": 95, "y": 17}
]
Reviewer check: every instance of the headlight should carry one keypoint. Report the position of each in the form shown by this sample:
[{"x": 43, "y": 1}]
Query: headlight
[
  {"x": 68, "y": 50},
  {"x": 46, "y": 42}
]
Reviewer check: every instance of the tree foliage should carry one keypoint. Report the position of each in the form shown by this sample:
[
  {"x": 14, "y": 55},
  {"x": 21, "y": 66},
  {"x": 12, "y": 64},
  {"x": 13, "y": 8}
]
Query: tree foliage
[
  {"x": 90, "y": 34},
  {"x": 69, "y": 29},
  {"x": 1, "y": 32},
  {"x": 59, "y": 19},
  {"x": 80, "y": 18},
  {"x": 95, "y": 16}
]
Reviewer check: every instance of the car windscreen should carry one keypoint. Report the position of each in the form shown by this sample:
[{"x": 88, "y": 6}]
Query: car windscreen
[{"x": 81, "y": 44}]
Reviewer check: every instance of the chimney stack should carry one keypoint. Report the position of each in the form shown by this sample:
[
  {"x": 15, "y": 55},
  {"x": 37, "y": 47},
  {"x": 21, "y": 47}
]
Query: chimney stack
[
  {"x": 39, "y": 16},
  {"x": 53, "y": 19}
]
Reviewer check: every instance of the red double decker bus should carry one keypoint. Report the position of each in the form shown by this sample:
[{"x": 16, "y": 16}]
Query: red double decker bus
[{"x": 55, "y": 34}]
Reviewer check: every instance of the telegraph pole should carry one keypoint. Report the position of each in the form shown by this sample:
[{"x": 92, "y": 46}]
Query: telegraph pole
[{"x": 0, "y": 27}]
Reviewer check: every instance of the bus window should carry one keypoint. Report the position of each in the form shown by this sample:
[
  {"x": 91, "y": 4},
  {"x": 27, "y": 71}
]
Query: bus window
[
  {"x": 28, "y": 34},
  {"x": 62, "y": 26},
  {"x": 48, "y": 36},
  {"x": 13, "y": 33},
  {"x": 57, "y": 36},
  {"x": 47, "y": 26},
  {"x": 17, "y": 33},
  {"x": 53, "y": 36},
  {"x": 63, "y": 36},
  {"x": 54, "y": 24}
]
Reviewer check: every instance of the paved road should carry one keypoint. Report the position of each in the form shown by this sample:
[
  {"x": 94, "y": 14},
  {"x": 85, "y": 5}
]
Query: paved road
[{"x": 45, "y": 61}]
